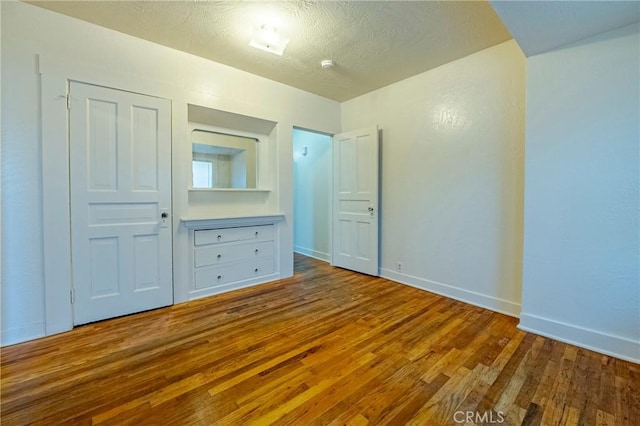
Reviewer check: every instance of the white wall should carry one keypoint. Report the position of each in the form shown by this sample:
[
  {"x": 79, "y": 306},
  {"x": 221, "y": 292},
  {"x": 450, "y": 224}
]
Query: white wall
[
  {"x": 70, "y": 48},
  {"x": 581, "y": 254},
  {"x": 452, "y": 176},
  {"x": 22, "y": 273},
  {"x": 312, "y": 194}
]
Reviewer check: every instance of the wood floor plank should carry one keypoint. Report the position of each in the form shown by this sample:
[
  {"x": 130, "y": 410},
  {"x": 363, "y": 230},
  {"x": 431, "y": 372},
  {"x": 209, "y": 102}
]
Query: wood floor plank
[
  {"x": 339, "y": 391},
  {"x": 327, "y": 346},
  {"x": 419, "y": 396},
  {"x": 633, "y": 389},
  {"x": 557, "y": 396},
  {"x": 473, "y": 398}
]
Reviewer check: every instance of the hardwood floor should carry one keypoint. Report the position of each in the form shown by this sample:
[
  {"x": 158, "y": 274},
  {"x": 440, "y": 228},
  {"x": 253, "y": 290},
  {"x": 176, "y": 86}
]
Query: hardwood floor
[{"x": 326, "y": 347}]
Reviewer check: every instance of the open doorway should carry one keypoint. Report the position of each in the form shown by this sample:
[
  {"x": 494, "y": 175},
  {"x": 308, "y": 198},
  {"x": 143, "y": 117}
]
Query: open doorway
[{"x": 312, "y": 189}]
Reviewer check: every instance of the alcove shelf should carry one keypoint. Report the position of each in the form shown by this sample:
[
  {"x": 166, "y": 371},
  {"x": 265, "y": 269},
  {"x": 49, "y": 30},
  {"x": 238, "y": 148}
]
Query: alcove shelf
[{"x": 205, "y": 222}]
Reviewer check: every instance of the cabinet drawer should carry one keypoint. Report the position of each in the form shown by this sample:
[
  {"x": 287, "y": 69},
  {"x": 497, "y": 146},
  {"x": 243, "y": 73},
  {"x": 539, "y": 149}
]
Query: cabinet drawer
[
  {"x": 226, "y": 235},
  {"x": 215, "y": 276},
  {"x": 216, "y": 254}
]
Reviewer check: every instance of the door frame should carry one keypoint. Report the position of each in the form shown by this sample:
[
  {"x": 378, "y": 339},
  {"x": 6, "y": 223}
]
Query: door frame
[
  {"x": 330, "y": 135},
  {"x": 56, "y": 198}
]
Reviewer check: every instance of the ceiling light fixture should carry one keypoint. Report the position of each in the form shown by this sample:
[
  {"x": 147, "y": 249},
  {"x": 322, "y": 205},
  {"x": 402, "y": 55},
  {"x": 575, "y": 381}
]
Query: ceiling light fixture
[
  {"x": 327, "y": 64},
  {"x": 266, "y": 37}
]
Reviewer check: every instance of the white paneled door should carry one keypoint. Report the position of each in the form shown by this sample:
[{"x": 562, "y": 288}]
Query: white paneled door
[
  {"x": 355, "y": 204},
  {"x": 120, "y": 149}
]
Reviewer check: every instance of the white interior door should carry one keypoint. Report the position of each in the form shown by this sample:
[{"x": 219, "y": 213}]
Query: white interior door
[
  {"x": 120, "y": 169},
  {"x": 355, "y": 204}
]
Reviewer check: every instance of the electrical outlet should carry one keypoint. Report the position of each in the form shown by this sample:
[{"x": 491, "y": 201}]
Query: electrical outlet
[{"x": 399, "y": 266}]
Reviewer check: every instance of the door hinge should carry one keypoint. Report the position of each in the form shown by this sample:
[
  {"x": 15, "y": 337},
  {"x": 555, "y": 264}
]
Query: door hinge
[
  {"x": 68, "y": 101},
  {"x": 72, "y": 294}
]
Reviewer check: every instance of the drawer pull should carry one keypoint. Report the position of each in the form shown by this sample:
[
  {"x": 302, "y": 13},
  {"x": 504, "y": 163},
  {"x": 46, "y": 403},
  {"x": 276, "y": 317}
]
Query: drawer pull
[
  {"x": 256, "y": 270},
  {"x": 219, "y": 237},
  {"x": 219, "y": 277},
  {"x": 219, "y": 256},
  {"x": 256, "y": 234},
  {"x": 257, "y": 251}
]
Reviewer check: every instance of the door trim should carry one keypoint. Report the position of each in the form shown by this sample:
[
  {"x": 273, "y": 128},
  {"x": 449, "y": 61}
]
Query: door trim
[
  {"x": 329, "y": 201},
  {"x": 56, "y": 205},
  {"x": 56, "y": 226}
]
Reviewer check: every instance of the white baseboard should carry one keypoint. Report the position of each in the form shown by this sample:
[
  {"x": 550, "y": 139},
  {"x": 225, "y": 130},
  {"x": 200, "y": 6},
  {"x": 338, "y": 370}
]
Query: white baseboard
[
  {"x": 482, "y": 300},
  {"x": 616, "y": 346},
  {"x": 312, "y": 253},
  {"x": 21, "y": 334}
]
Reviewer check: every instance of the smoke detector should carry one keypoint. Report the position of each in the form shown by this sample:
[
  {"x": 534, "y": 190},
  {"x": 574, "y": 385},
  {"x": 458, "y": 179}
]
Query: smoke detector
[{"x": 327, "y": 64}]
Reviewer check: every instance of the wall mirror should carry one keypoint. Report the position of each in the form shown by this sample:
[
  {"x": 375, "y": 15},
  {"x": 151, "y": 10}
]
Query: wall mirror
[{"x": 221, "y": 160}]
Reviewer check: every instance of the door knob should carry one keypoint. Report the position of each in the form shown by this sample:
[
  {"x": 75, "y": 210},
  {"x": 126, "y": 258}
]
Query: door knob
[
  {"x": 164, "y": 218},
  {"x": 370, "y": 209}
]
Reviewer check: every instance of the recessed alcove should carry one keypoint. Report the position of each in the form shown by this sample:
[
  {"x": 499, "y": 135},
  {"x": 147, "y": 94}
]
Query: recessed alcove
[{"x": 231, "y": 150}]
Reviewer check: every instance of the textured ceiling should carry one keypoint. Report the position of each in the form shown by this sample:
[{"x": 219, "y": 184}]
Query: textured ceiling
[
  {"x": 372, "y": 43},
  {"x": 539, "y": 26}
]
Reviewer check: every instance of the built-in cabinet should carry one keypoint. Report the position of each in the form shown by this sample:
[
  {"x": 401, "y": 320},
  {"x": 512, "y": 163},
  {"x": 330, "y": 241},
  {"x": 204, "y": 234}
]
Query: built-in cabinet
[
  {"x": 232, "y": 223},
  {"x": 230, "y": 253},
  {"x": 226, "y": 255}
]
